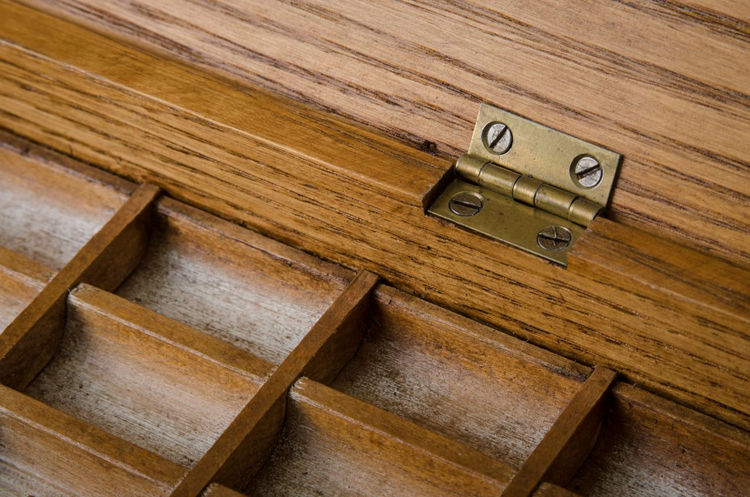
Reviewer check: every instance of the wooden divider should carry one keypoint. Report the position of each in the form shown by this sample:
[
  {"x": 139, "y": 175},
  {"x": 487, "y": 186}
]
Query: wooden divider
[
  {"x": 242, "y": 447},
  {"x": 568, "y": 442},
  {"x": 30, "y": 340}
]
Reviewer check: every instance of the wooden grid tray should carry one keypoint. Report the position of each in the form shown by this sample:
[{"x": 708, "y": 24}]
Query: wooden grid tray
[{"x": 150, "y": 348}]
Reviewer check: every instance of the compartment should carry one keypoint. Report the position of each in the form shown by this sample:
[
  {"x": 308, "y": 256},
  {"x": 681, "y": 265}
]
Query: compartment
[
  {"x": 333, "y": 444},
  {"x": 44, "y": 453},
  {"x": 455, "y": 377},
  {"x": 49, "y": 211},
  {"x": 651, "y": 447},
  {"x": 252, "y": 292},
  {"x": 144, "y": 378}
]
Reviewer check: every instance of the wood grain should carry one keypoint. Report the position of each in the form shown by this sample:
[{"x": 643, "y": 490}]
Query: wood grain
[
  {"x": 243, "y": 446},
  {"x": 30, "y": 340},
  {"x": 567, "y": 443},
  {"x": 116, "y": 371},
  {"x": 49, "y": 213},
  {"x": 650, "y": 446},
  {"x": 232, "y": 284},
  {"x": 436, "y": 369},
  {"x": 664, "y": 83},
  {"x": 333, "y": 444},
  {"x": 46, "y": 452},
  {"x": 349, "y": 195},
  {"x": 688, "y": 278}
]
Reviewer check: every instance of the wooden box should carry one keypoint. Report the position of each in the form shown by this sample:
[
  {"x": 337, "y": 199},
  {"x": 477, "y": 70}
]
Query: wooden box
[{"x": 220, "y": 274}]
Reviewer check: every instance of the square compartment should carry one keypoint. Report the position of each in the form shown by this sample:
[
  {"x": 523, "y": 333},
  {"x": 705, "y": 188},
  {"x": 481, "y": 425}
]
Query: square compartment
[
  {"x": 650, "y": 446},
  {"x": 328, "y": 446},
  {"x": 231, "y": 283},
  {"x": 465, "y": 381},
  {"x": 153, "y": 391},
  {"x": 49, "y": 211}
]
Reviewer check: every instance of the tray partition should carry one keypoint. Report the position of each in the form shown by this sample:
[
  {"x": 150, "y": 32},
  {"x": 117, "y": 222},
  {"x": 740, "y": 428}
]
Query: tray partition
[{"x": 165, "y": 355}]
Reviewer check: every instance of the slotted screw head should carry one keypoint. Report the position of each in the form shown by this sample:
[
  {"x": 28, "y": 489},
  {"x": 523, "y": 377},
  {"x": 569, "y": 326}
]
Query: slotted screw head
[
  {"x": 587, "y": 171},
  {"x": 497, "y": 138},
  {"x": 465, "y": 204},
  {"x": 554, "y": 238}
]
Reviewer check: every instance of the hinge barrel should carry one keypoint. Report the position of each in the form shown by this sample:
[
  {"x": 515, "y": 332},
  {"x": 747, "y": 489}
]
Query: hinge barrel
[{"x": 527, "y": 190}]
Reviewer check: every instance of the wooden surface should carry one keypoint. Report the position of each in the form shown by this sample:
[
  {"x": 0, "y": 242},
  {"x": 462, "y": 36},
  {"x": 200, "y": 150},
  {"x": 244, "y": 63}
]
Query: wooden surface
[
  {"x": 665, "y": 84},
  {"x": 210, "y": 275},
  {"x": 69, "y": 209},
  {"x": 334, "y": 445},
  {"x": 422, "y": 363},
  {"x": 651, "y": 447},
  {"x": 567, "y": 442},
  {"x": 352, "y": 196},
  {"x": 134, "y": 385},
  {"x": 30, "y": 340}
]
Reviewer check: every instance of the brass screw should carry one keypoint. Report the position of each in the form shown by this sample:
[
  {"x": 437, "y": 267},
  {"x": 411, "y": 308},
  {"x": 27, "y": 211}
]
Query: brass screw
[
  {"x": 554, "y": 238},
  {"x": 587, "y": 171},
  {"x": 498, "y": 138},
  {"x": 465, "y": 204}
]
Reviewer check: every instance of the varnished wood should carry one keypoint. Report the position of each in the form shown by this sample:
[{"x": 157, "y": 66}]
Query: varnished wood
[
  {"x": 693, "y": 454},
  {"x": 231, "y": 283},
  {"x": 664, "y": 83},
  {"x": 29, "y": 341},
  {"x": 242, "y": 447},
  {"x": 650, "y": 446},
  {"x": 45, "y": 450},
  {"x": 333, "y": 444},
  {"x": 434, "y": 368},
  {"x": 349, "y": 195},
  {"x": 568, "y": 441},
  {"x": 688, "y": 278}
]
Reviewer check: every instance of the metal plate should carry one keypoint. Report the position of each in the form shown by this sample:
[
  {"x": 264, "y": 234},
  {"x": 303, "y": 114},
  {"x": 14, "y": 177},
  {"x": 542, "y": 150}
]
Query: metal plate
[
  {"x": 544, "y": 153},
  {"x": 506, "y": 220}
]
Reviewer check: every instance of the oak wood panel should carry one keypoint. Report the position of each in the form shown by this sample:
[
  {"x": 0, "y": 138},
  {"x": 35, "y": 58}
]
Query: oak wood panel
[
  {"x": 612, "y": 251},
  {"x": 46, "y": 452},
  {"x": 568, "y": 441},
  {"x": 664, "y": 83},
  {"x": 243, "y": 446},
  {"x": 303, "y": 177},
  {"x": 454, "y": 377},
  {"x": 650, "y": 446},
  {"x": 335, "y": 445},
  {"x": 231, "y": 283}
]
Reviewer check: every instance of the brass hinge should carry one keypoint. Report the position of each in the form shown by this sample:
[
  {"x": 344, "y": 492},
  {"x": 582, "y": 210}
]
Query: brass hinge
[{"x": 527, "y": 185}]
